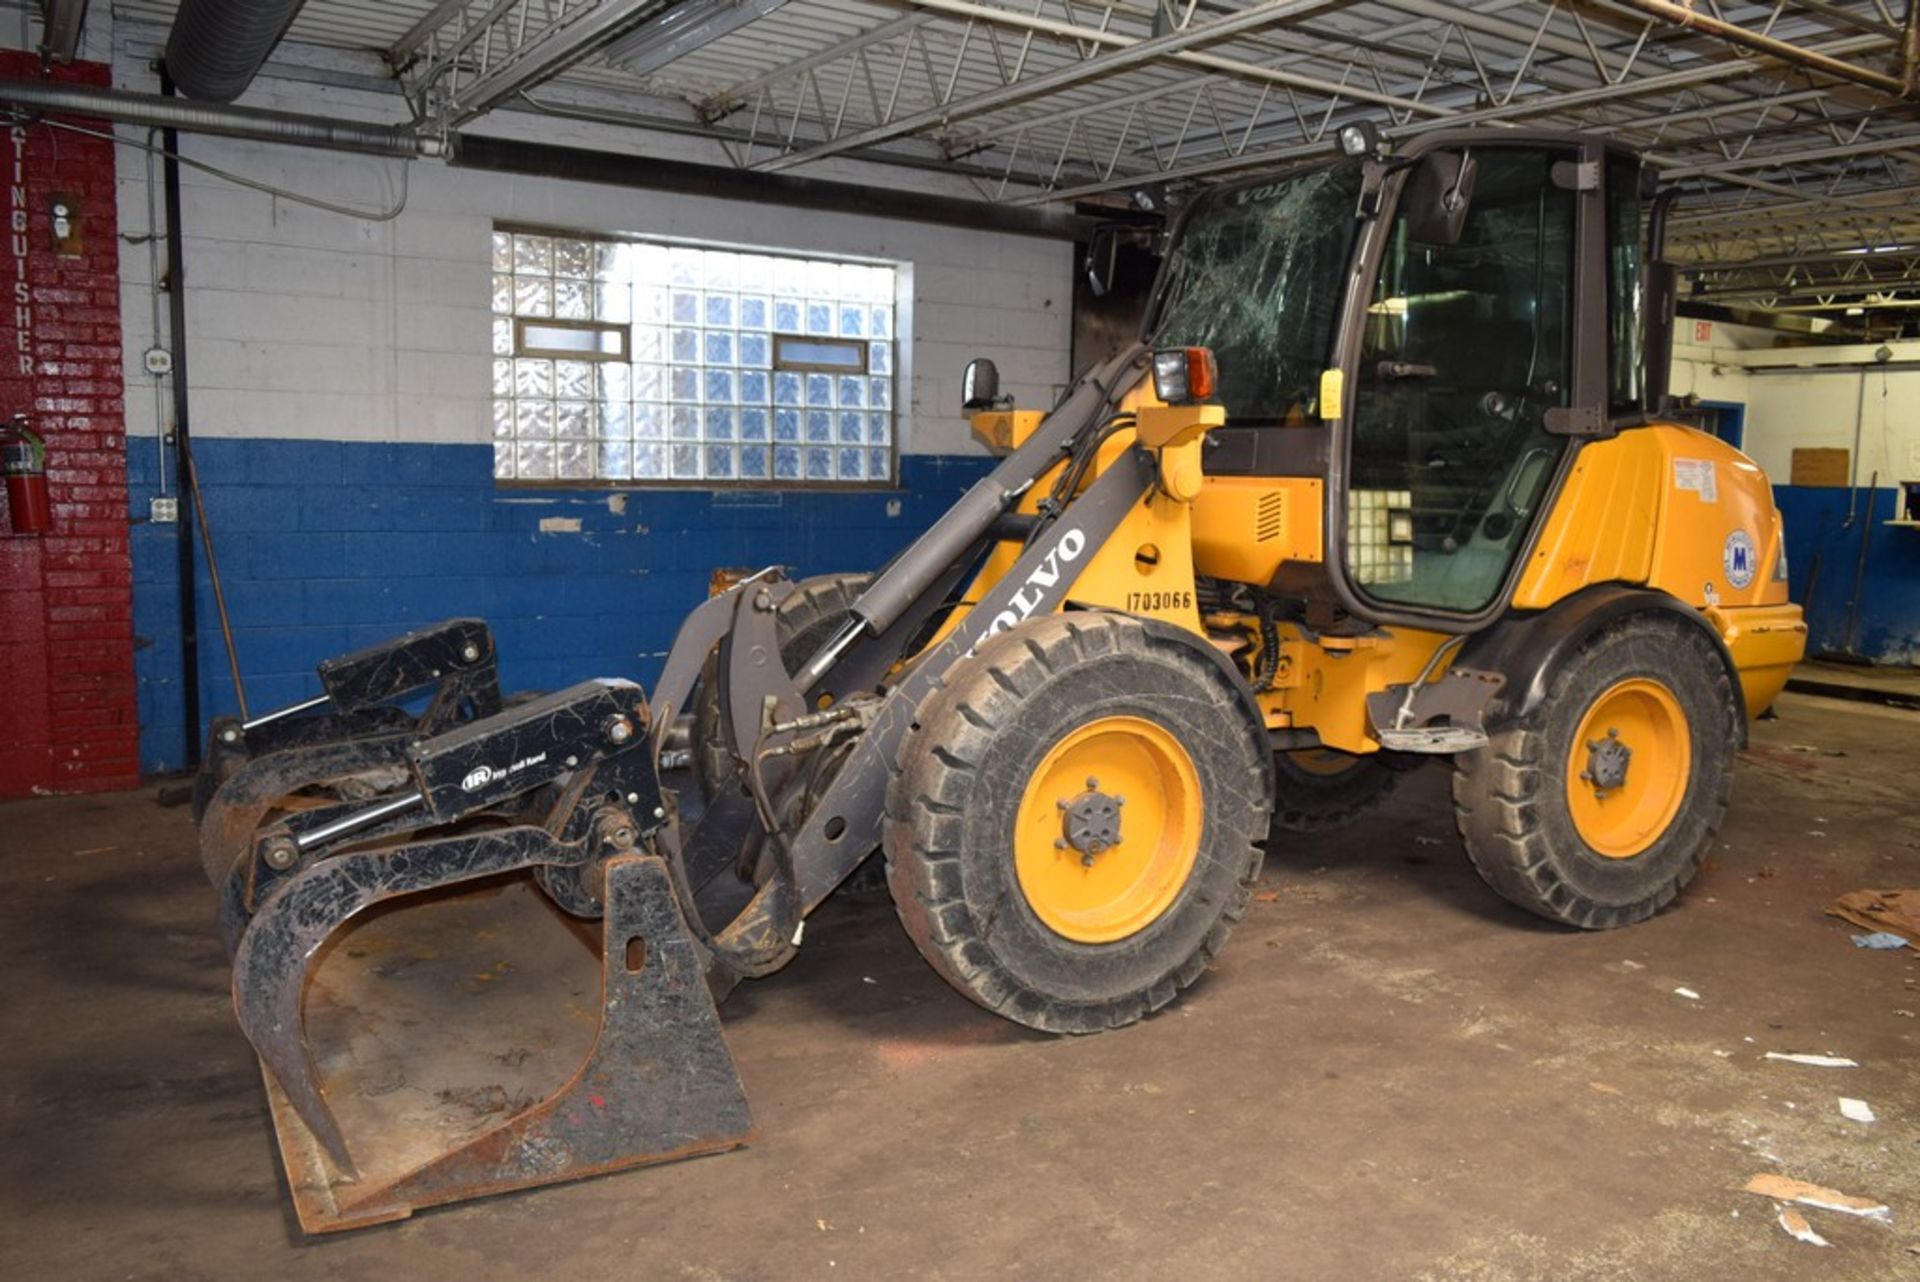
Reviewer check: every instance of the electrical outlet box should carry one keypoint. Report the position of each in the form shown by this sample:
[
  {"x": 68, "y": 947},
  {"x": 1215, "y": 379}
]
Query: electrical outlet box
[
  {"x": 159, "y": 361},
  {"x": 164, "y": 511}
]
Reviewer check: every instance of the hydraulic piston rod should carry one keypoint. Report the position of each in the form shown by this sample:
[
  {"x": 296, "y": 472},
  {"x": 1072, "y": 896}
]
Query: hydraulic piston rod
[{"x": 358, "y": 820}]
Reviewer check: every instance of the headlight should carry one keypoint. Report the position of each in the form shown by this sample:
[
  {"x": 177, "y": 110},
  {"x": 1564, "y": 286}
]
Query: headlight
[
  {"x": 1359, "y": 138},
  {"x": 1184, "y": 375}
]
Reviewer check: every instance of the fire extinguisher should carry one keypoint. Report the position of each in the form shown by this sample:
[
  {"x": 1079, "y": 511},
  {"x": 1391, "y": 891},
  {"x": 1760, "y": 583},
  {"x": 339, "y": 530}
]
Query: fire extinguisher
[{"x": 23, "y": 458}]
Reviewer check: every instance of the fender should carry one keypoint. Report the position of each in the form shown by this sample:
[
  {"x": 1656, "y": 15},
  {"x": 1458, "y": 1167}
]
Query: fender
[
  {"x": 1249, "y": 704},
  {"x": 1528, "y": 649}
]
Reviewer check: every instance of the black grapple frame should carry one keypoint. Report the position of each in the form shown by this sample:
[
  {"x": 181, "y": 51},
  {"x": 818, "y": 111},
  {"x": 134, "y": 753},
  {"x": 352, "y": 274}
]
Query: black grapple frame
[{"x": 332, "y": 813}]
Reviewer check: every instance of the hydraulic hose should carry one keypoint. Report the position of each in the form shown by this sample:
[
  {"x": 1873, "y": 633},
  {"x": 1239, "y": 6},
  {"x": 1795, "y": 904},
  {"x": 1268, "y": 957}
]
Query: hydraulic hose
[{"x": 890, "y": 595}]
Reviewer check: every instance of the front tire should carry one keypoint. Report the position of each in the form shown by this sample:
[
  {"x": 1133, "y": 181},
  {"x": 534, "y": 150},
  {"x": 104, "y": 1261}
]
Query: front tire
[
  {"x": 1111, "y": 731},
  {"x": 1597, "y": 809}
]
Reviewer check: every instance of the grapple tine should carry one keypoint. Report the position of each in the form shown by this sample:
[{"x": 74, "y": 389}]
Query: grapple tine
[
  {"x": 271, "y": 962},
  {"x": 228, "y": 827}
]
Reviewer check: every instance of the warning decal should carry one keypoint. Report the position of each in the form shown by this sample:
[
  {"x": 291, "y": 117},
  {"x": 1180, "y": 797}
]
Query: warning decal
[{"x": 1696, "y": 474}]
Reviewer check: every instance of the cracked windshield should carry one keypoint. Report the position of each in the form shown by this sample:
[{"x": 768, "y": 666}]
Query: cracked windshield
[{"x": 1257, "y": 277}]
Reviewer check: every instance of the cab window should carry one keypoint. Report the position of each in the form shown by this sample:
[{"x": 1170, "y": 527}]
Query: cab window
[{"x": 1466, "y": 347}]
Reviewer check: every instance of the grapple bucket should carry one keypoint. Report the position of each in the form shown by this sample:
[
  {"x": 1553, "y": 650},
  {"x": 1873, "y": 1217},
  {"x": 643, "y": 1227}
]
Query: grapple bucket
[
  {"x": 431, "y": 1025},
  {"x": 472, "y": 1044}
]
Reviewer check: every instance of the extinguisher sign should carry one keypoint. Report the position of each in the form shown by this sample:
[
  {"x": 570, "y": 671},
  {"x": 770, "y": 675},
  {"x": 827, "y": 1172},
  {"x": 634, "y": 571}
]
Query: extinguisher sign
[
  {"x": 1702, "y": 331},
  {"x": 17, "y": 225}
]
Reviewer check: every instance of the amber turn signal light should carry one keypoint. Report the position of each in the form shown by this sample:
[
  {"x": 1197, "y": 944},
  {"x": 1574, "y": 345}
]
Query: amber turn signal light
[{"x": 1185, "y": 375}]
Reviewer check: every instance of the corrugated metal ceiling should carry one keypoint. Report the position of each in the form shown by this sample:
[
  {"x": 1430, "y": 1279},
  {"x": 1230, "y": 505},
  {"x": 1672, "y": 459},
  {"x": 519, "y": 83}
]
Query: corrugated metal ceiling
[{"x": 1806, "y": 145}]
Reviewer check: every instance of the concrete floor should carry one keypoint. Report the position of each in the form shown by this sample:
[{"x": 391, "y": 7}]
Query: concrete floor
[
  {"x": 1390, "y": 1074},
  {"x": 1892, "y": 687}
]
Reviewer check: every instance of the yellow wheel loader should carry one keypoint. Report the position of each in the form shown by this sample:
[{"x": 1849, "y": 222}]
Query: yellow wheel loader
[{"x": 1388, "y": 477}]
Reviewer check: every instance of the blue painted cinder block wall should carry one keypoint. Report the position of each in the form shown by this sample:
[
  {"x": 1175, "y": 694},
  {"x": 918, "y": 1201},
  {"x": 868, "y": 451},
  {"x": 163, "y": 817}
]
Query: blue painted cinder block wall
[
  {"x": 326, "y": 546},
  {"x": 1888, "y": 627}
]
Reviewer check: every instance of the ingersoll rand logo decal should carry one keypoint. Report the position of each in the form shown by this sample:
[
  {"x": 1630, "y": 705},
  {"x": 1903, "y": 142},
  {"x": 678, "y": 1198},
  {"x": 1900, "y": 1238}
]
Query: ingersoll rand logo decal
[
  {"x": 480, "y": 776},
  {"x": 1034, "y": 591}
]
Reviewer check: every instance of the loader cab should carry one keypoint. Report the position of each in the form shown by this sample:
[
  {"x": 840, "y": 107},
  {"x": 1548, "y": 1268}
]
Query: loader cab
[
  {"x": 1478, "y": 355},
  {"x": 1480, "y": 305}
]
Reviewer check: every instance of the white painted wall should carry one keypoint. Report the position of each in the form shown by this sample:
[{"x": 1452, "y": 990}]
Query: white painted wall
[
  {"x": 1852, "y": 399},
  {"x": 306, "y": 323}
]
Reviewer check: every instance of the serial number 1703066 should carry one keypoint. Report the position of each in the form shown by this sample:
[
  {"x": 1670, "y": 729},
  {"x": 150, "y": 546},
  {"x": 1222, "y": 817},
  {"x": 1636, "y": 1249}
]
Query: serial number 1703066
[{"x": 1159, "y": 600}]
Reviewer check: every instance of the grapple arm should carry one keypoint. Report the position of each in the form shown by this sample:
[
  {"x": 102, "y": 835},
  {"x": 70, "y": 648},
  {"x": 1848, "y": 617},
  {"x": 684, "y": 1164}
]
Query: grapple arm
[{"x": 361, "y": 697}]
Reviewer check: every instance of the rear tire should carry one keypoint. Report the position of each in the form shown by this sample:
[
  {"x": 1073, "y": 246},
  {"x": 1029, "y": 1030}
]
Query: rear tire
[
  {"x": 1541, "y": 830},
  {"x": 1047, "y": 934},
  {"x": 1321, "y": 790}
]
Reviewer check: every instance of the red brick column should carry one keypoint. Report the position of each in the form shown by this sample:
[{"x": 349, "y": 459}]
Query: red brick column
[{"x": 67, "y": 697}]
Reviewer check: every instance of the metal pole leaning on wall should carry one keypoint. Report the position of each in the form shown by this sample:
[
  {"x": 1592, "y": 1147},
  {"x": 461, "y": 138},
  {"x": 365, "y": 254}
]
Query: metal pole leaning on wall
[
  {"x": 219, "y": 592},
  {"x": 182, "y": 441}
]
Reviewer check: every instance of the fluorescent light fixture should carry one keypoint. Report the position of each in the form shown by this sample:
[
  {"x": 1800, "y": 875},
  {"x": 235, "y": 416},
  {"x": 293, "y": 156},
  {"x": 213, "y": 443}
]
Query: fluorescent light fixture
[{"x": 681, "y": 29}]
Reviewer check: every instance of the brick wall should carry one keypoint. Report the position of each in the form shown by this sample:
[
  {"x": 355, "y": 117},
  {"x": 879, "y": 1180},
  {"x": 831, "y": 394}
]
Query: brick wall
[{"x": 67, "y": 700}]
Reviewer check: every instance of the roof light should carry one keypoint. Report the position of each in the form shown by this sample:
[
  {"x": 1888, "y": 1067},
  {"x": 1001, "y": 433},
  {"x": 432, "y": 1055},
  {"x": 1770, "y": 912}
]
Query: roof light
[{"x": 1358, "y": 138}]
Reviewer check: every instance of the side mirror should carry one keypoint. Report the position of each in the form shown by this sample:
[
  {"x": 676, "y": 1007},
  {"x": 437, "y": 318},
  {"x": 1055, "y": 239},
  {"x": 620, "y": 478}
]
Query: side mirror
[
  {"x": 1438, "y": 197},
  {"x": 1103, "y": 253},
  {"x": 980, "y": 385}
]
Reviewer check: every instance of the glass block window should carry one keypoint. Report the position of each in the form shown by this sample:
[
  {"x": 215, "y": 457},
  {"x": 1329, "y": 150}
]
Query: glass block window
[{"x": 651, "y": 362}]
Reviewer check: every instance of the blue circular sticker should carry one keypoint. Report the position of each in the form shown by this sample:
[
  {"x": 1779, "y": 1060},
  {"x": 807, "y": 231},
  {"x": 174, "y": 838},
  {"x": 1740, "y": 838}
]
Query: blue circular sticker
[{"x": 1738, "y": 558}]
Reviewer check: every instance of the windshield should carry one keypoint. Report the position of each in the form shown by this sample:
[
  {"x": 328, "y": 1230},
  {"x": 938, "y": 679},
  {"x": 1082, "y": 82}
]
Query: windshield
[{"x": 1257, "y": 276}]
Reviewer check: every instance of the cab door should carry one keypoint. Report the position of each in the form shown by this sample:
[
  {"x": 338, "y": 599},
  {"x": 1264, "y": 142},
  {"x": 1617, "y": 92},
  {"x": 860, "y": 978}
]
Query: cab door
[{"x": 1467, "y": 369}]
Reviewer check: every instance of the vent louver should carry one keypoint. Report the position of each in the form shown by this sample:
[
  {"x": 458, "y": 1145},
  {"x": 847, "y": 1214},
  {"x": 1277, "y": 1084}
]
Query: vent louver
[{"x": 1269, "y": 516}]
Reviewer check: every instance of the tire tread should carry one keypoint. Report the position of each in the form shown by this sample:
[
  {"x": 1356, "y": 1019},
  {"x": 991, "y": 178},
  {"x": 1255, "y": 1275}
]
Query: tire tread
[{"x": 926, "y": 804}]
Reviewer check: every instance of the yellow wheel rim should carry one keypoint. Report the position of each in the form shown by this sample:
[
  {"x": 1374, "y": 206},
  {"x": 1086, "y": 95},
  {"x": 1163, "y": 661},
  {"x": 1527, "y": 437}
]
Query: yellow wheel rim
[
  {"x": 1322, "y": 761},
  {"x": 1095, "y": 896},
  {"x": 1621, "y": 805}
]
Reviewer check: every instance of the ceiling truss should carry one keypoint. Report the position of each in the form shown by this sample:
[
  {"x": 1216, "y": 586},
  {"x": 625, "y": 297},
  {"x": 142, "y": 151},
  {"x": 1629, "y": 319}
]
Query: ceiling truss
[{"x": 1791, "y": 126}]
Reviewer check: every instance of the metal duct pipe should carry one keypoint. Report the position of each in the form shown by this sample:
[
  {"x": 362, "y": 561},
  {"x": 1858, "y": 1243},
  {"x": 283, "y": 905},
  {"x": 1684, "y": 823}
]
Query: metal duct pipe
[
  {"x": 1682, "y": 15},
  {"x": 507, "y": 155},
  {"x": 217, "y": 47},
  {"x": 232, "y": 122},
  {"x": 615, "y": 169}
]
